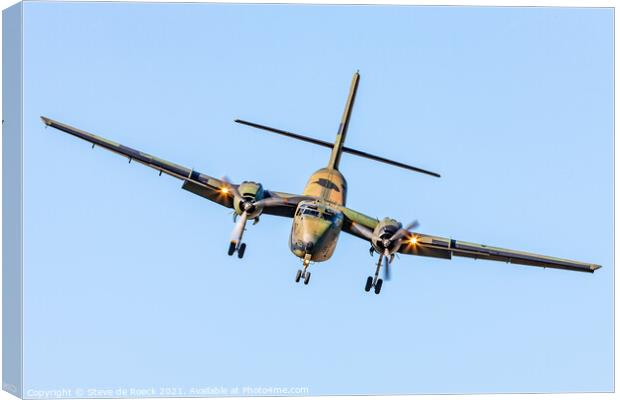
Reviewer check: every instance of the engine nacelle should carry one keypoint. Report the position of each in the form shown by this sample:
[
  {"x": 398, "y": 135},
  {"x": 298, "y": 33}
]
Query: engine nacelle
[
  {"x": 250, "y": 191},
  {"x": 383, "y": 232}
]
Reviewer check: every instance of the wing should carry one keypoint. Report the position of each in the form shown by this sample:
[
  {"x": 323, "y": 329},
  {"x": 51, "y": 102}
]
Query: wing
[
  {"x": 193, "y": 181},
  {"x": 419, "y": 243},
  {"x": 356, "y": 223},
  {"x": 439, "y": 247}
]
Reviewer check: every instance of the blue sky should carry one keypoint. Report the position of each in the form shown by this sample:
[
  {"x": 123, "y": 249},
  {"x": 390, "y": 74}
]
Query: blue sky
[{"x": 126, "y": 278}]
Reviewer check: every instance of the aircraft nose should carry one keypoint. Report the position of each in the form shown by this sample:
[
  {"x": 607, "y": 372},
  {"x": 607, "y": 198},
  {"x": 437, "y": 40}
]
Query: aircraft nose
[
  {"x": 313, "y": 233},
  {"x": 309, "y": 236},
  {"x": 303, "y": 246}
]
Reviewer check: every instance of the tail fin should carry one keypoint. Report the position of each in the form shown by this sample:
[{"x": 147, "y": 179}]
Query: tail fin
[{"x": 334, "y": 159}]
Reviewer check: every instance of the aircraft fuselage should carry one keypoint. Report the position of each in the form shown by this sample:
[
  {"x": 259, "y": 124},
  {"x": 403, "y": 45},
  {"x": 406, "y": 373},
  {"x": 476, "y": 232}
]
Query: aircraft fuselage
[{"x": 317, "y": 224}]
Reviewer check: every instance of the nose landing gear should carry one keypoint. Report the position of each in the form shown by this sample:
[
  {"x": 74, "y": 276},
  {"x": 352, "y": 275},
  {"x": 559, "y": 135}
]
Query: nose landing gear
[{"x": 305, "y": 274}]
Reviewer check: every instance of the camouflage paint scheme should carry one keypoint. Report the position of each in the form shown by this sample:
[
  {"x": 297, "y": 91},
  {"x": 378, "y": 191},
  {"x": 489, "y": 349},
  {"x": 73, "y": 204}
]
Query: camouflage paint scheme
[{"x": 320, "y": 213}]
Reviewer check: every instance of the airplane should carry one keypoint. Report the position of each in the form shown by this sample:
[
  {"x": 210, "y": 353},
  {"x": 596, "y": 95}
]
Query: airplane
[{"x": 320, "y": 214}]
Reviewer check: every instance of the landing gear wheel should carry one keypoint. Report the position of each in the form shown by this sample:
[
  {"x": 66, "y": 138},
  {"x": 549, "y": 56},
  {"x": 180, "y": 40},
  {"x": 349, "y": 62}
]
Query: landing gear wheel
[
  {"x": 231, "y": 248},
  {"x": 241, "y": 250},
  {"x": 378, "y": 286},
  {"x": 368, "y": 284},
  {"x": 307, "y": 278},
  {"x": 298, "y": 276}
]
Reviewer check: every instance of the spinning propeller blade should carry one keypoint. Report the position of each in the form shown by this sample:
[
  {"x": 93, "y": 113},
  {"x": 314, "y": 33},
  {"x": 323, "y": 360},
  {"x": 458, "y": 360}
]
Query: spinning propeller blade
[
  {"x": 281, "y": 201},
  {"x": 402, "y": 232},
  {"x": 232, "y": 188}
]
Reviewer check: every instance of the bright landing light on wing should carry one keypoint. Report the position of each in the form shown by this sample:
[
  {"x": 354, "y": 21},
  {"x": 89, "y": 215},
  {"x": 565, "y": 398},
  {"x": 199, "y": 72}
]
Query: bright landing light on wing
[
  {"x": 413, "y": 240},
  {"x": 224, "y": 190}
]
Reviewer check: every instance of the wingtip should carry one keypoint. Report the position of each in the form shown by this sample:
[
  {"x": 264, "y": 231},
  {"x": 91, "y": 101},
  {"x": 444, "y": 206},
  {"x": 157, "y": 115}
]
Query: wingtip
[
  {"x": 46, "y": 120},
  {"x": 594, "y": 267}
]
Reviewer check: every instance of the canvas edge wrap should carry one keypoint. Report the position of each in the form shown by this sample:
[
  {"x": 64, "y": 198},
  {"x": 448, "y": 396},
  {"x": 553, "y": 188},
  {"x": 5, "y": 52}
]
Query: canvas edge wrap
[{"x": 12, "y": 196}]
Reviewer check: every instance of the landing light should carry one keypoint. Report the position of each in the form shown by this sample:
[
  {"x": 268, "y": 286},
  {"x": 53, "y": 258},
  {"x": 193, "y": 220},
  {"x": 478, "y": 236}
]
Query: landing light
[
  {"x": 413, "y": 240},
  {"x": 224, "y": 190}
]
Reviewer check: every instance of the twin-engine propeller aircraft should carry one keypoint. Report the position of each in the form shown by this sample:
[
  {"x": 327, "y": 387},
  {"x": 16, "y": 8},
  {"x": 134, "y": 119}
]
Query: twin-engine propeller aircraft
[{"x": 319, "y": 214}]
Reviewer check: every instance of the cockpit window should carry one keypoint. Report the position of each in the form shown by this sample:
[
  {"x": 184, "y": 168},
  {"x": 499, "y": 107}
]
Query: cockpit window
[
  {"x": 308, "y": 211},
  {"x": 313, "y": 211},
  {"x": 328, "y": 215}
]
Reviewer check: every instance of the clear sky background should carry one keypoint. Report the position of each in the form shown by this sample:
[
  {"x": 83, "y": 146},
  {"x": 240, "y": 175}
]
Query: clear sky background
[{"x": 126, "y": 278}]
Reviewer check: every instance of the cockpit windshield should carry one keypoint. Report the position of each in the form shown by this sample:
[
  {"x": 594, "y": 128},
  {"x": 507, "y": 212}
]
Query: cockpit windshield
[
  {"x": 308, "y": 210},
  {"x": 314, "y": 211},
  {"x": 311, "y": 212}
]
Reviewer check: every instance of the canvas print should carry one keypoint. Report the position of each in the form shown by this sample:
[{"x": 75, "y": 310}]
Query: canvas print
[{"x": 209, "y": 200}]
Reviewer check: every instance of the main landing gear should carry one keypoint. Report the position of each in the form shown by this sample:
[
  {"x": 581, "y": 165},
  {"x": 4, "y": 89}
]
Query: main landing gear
[
  {"x": 235, "y": 241},
  {"x": 305, "y": 274},
  {"x": 234, "y": 247},
  {"x": 375, "y": 282}
]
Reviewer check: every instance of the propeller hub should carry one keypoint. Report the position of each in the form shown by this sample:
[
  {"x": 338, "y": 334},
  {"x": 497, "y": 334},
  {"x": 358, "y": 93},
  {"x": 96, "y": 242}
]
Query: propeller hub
[{"x": 389, "y": 234}]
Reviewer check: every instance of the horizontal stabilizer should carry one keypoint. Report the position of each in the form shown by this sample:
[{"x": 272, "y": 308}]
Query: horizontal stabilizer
[{"x": 331, "y": 145}]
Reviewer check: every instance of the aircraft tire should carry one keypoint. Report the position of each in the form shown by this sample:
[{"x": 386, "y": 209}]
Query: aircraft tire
[
  {"x": 368, "y": 284},
  {"x": 298, "y": 276},
  {"x": 378, "y": 286},
  {"x": 231, "y": 248},
  {"x": 241, "y": 250},
  {"x": 307, "y": 278}
]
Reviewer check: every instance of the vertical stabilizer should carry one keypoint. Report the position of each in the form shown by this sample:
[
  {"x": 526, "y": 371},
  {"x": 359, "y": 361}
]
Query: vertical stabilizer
[{"x": 334, "y": 159}]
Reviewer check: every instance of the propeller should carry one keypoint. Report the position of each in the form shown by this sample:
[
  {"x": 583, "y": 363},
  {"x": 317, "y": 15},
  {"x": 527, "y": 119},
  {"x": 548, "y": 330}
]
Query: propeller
[
  {"x": 361, "y": 230},
  {"x": 398, "y": 235},
  {"x": 245, "y": 204},
  {"x": 231, "y": 188},
  {"x": 384, "y": 246},
  {"x": 402, "y": 232}
]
